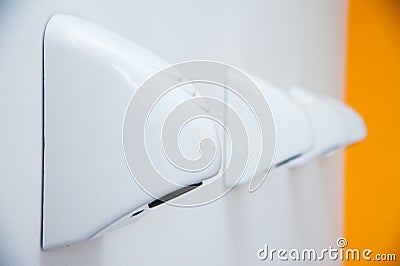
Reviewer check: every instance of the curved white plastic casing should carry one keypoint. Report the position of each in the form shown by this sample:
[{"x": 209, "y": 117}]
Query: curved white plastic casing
[
  {"x": 294, "y": 136},
  {"x": 334, "y": 124},
  {"x": 90, "y": 75},
  {"x": 354, "y": 124}
]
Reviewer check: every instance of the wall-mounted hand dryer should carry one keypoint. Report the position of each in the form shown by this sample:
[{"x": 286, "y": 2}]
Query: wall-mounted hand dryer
[
  {"x": 90, "y": 74},
  {"x": 92, "y": 78}
]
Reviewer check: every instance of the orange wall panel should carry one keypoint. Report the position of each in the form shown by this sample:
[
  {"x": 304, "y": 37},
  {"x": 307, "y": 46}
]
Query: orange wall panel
[{"x": 373, "y": 166}]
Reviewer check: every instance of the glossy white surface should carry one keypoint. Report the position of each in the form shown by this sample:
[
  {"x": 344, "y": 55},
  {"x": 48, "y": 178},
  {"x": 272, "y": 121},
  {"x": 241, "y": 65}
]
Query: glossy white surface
[
  {"x": 294, "y": 134},
  {"x": 353, "y": 123},
  {"x": 334, "y": 124},
  {"x": 329, "y": 131},
  {"x": 285, "y": 42},
  {"x": 90, "y": 75}
]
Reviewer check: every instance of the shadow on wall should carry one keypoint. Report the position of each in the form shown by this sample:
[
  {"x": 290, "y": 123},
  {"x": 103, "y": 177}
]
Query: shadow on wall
[{"x": 85, "y": 253}]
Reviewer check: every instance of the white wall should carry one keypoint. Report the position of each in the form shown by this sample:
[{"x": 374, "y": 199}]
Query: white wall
[{"x": 285, "y": 42}]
